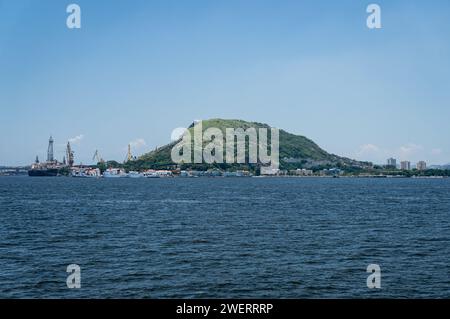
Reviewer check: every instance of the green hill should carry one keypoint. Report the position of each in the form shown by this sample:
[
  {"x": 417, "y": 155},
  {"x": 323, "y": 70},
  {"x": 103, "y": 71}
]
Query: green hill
[{"x": 295, "y": 151}]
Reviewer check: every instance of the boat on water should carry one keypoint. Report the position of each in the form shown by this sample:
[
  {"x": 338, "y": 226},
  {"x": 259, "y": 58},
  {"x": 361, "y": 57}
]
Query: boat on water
[
  {"x": 86, "y": 173},
  {"x": 157, "y": 173},
  {"x": 134, "y": 174},
  {"x": 43, "y": 171},
  {"x": 49, "y": 168},
  {"x": 115, "y": 173},
  {"x": 150, "y": 174}
]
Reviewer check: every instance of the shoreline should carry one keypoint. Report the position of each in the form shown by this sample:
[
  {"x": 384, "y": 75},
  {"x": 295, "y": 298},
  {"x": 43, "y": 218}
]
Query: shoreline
[{"x": 241, "y": 177}]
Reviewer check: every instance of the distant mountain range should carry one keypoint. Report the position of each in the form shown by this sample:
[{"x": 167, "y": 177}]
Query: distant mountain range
[{"x": 295, "y": 151}]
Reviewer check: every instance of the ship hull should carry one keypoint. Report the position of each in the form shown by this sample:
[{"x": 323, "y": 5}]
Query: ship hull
[{"x": 43, "y": 172}]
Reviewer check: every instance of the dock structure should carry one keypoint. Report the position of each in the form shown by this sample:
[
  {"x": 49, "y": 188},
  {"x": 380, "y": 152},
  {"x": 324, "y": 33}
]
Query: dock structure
[{"x": 50, "y": 157}]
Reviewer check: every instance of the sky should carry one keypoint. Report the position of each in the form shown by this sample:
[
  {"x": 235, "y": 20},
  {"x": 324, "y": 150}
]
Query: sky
[{"x": 136, "y": 70}]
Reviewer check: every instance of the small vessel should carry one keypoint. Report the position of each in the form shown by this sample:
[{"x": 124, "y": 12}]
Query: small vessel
[
  {"x": 86, "y": 172},
  {"x": 114, "y": 173},
  {"x": 164, "y": 173},
  {"x": 134, "y": 174},
  {"x": 185, "y": 174},
  {"x": 150, "y": 174}
]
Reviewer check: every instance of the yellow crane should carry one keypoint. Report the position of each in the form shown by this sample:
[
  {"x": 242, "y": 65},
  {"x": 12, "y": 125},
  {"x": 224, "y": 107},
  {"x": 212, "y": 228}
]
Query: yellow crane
[{"x": 129, "y": 155}]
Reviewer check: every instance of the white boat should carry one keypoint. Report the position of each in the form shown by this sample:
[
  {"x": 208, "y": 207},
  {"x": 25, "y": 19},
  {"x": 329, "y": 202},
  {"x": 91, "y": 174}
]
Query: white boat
[
  {"x": 134, "y": 174},
  {"x": 86, "y": 172},
  {"x": 150, "y": 174},
  {"x": 114, "y": 173},
  {"x": 164, "y": 173}
]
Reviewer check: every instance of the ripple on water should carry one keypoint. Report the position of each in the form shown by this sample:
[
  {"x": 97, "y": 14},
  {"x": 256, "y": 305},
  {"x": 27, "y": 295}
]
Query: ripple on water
[{"x": 224, "y": 238}]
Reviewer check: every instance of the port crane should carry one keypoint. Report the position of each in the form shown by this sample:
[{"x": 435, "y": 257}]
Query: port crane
[
  {"x": 97, "y": 157},
  {"x": 69, "y": 155},
  {"x": 130, "y": 156}
]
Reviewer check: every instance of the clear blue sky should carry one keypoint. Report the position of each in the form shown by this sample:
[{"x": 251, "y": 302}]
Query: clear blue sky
[{"x": 138, "y": 69}]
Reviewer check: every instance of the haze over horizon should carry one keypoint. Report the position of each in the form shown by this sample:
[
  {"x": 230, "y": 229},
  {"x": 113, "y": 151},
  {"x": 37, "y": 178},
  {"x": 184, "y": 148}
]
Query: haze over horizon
[{"x": 136, "y": 70}]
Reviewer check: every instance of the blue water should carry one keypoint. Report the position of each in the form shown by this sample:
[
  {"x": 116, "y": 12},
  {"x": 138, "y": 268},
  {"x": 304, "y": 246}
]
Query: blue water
[{"x": 250, "y": 237}]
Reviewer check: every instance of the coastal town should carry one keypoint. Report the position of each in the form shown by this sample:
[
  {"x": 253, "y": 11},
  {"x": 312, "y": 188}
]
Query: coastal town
[{"x": 111, "y": 169}]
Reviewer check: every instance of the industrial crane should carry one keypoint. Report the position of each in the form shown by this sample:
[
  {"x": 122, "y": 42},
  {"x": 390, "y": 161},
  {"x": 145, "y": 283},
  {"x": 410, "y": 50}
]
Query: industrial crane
[{"x": 97, "y": 157}]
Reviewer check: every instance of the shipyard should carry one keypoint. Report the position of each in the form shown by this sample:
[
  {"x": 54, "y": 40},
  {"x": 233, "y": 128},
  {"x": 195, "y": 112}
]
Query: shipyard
[
  {"x": 67, "y": 167},
  {"x": 52, "y": 167}
]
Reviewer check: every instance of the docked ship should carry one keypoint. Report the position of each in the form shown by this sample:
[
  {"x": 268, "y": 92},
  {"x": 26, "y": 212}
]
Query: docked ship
[
  {"x": 85, "y": 172},
  {"x": 51, "y": 167},
  {"x": 42, "y": 171},
  {"x": 115, "y": 173},
  {"x": 134, "y": 174}
]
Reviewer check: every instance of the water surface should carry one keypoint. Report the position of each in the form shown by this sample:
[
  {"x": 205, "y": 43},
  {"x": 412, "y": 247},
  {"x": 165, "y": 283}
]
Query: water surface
[{"x": 224, "y": 237}]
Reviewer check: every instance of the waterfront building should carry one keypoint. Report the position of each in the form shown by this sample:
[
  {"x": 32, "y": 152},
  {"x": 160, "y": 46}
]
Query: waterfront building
[
  {"x": 269, "y": 171},
  {"x": 392, "y": 162},
  {"x": 301, "y": 172},
  {"x": 405, "y": 165},
  {"x": 421, "y": 166}
]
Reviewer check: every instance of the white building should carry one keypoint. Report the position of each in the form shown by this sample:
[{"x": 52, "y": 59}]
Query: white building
[
  {"x": 421, "y": 166},
  {"x": 405, "y": 165},
  {"x": 269, "y": 171}
]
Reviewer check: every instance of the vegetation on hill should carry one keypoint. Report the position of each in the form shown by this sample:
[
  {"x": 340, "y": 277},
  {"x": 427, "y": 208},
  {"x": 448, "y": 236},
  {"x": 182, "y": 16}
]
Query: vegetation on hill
[{"x": 295, "y": 152}]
